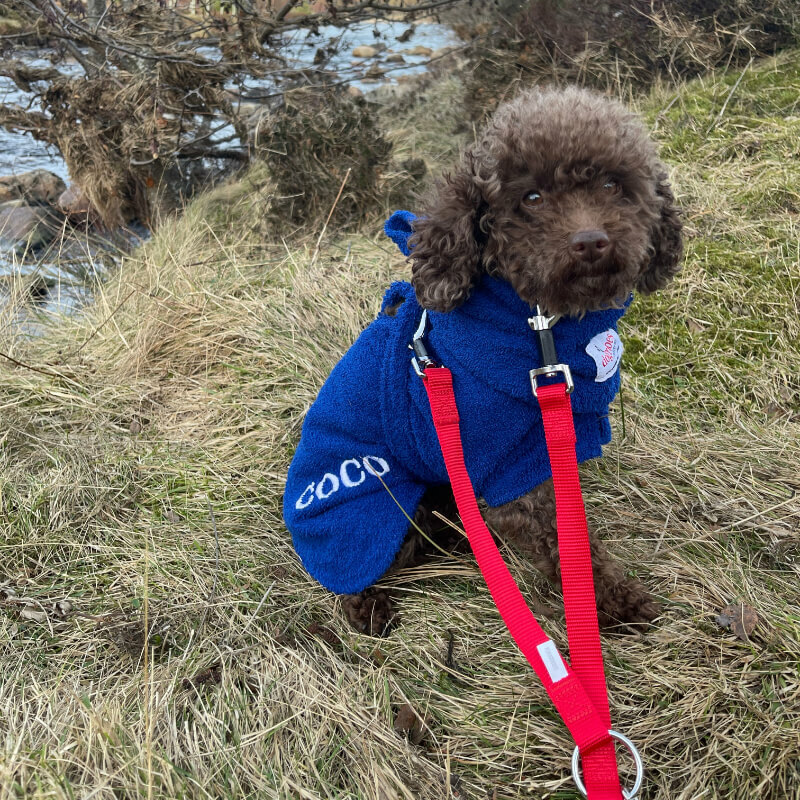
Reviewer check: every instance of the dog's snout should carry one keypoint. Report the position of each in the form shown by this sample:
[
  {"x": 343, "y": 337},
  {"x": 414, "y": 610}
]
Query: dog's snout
[{"x": 589, "y": 245}]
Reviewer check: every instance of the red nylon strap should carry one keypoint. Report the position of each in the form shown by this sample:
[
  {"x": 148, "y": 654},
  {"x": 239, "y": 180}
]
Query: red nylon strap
[
  {"x": 578, "y": 692},
  {"x": 580, "y": 609}
]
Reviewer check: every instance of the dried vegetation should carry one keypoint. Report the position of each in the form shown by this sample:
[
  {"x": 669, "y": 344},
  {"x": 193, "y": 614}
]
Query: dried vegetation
[
  {"x": 149, "y": 102},
  {"x": 323, "y": 148},
  {"x": 181, "y": 393},
  {"x": 624, "y": 47}
]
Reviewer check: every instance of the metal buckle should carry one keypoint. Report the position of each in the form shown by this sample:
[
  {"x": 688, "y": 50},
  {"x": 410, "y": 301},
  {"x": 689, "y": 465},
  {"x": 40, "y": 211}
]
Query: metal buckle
[
  {"x": 421, "y": 354},
  {"x": 543, "y": 324},
  {"x": 550, "y": 371},
  {"x": 628, "y": 794}
]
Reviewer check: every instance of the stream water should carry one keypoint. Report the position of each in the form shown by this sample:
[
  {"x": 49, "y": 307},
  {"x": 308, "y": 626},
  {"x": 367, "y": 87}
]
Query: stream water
[{"x": 20, "y": 152}]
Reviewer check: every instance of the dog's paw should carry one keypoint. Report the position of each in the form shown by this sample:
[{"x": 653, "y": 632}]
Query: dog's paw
[
  {"x": 626, "y": 603},
  {"x": 371, "y": 611}
]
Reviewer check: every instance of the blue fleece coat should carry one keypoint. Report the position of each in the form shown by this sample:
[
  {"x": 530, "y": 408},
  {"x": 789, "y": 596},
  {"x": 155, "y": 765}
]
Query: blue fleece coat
[{"x": 368, "y": 448}]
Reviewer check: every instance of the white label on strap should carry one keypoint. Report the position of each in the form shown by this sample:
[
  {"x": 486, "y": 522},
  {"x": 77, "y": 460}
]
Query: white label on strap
[
  {"x": 551, "y": 658},
  {"x": 606, "y": 350}
]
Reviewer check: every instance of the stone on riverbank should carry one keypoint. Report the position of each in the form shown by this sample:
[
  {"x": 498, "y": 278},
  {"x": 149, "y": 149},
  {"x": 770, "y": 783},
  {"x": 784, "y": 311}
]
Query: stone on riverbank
[
  {"x": 419, "y": 50},
  {"x": 23, "y": 227},
  {"x": 37, "y": 187},
  {"x": 74, "y": 202}
]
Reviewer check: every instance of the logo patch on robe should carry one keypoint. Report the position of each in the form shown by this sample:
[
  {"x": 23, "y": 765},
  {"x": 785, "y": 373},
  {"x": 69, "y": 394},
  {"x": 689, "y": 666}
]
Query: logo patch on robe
[{"x": 606, "y": 350}]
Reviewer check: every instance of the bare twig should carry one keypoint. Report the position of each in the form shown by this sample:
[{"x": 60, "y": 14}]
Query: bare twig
[
  {"x": 330, "y": 214},
  {"x": 41, "y": 371},
  {"x": 287, "y": 7}
]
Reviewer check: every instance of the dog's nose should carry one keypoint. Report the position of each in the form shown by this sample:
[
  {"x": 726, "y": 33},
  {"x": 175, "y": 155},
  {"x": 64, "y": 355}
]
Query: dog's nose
[{"x": 589, "y": 245}]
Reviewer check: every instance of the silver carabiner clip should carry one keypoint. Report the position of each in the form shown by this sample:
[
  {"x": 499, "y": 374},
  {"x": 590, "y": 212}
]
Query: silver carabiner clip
[{"x": 543, "y": 324}]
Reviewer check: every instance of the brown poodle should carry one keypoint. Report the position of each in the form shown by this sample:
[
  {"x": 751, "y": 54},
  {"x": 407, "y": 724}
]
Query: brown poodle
[{"x": 564, "y": 197}]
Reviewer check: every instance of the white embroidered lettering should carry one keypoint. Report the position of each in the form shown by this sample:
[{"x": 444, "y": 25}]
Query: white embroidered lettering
[
  {"x": 374, "y": 470},
  {"x": 352, "y": 473},
  {"x": 334, "y": 481},
  {"x": 346, "y": 479},
  {"x": 301, "y": 504}
]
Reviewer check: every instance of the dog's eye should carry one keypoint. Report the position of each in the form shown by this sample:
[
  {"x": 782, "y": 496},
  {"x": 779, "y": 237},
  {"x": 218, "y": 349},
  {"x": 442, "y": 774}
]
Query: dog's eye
[
  {"x": 532, "y": 199},
  {"x": 612, "y": 186}
]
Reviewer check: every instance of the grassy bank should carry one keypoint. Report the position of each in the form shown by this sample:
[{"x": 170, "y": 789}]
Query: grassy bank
[
  {"x": 143, "y": 448},
  {"x": 9, "y": 25}
]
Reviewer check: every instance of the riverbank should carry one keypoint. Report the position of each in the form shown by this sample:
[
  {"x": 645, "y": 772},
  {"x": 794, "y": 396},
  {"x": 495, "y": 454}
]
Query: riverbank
[
  {"x": 142, "y": 457},
  {"x": 51, "y": 242}
]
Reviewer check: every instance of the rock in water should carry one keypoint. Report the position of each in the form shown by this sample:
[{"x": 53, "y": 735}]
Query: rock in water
[
  {"x": 74, "y": 202},
  {"x": 405, "y": 35},
  {"x": 38, "y": 187},
  {"x": 24, "y": 226}
]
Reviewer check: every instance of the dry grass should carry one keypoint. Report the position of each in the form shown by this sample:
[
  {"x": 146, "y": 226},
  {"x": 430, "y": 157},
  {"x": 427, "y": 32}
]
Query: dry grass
[
  {"x": 623, "y": 46},
  {"x": 182, "y": 391}
]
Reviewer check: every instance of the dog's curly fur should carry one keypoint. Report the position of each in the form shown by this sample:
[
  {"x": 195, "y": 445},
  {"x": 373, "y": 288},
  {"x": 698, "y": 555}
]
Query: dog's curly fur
[{"x": 565, "y": 198}]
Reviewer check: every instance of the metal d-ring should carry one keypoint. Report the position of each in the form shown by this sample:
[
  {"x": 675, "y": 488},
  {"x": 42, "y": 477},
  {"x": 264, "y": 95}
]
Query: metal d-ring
[{"x": 628, "y": 794}]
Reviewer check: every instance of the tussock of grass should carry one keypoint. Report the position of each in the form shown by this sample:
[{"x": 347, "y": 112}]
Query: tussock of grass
[
  {"x": 433, "y": 128},
  {"x": 623, "y": 47},
  {"x": 182, "y": 391}
]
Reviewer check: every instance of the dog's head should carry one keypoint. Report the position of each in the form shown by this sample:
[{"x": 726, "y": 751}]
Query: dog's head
[{"x": 564, "y": 197}]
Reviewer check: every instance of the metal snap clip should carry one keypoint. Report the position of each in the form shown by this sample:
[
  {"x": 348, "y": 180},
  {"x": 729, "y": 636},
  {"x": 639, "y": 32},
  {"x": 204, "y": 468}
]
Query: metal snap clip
[{"x": 421, "y": 358}]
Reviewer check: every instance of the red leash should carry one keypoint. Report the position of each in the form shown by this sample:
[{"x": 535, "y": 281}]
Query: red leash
[{"x": 578, "y": 691}]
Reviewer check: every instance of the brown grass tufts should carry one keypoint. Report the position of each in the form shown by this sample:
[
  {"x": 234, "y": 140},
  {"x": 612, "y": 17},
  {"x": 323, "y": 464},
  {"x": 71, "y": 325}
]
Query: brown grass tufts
[
  {"x": 624, "y": 47},
  {"x": 214, "y": 341}
]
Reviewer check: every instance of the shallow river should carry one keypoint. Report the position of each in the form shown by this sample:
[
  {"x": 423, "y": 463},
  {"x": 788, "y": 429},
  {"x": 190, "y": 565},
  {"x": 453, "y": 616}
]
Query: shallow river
[{"x": 20, "y": 152}]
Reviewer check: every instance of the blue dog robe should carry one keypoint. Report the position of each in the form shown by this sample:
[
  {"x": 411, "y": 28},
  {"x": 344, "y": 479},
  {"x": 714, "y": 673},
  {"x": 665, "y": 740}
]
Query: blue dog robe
[{"x": 368, "y": 448}]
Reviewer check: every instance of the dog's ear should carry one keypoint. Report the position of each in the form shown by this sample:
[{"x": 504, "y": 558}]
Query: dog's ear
[
  {"x": 446, "y": 244},
  {"x": 666, "y": 242}
]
